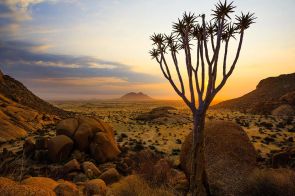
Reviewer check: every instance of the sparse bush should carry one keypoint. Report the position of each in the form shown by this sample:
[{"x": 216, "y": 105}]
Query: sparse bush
[
  {"x": 134, "y": 185},
  {"x": 270, "y": 182},
  {"x": 159, "y": 172},
  {"x": 148, "y": 168}
]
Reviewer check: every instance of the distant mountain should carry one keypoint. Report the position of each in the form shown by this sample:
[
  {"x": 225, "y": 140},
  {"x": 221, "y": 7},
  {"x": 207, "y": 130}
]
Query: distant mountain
[
  {"x": 17, "y": 92},
  {"x": 136, "y": 97},
  {"x": 269, "y": 94}
]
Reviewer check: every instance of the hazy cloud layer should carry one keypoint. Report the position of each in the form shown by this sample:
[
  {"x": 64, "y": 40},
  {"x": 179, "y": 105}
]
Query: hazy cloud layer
[{"x": 66, "y": 73}]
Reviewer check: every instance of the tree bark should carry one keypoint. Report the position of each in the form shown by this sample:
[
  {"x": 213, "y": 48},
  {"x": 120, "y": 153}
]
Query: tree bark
[{"x": 198, "y": 178}]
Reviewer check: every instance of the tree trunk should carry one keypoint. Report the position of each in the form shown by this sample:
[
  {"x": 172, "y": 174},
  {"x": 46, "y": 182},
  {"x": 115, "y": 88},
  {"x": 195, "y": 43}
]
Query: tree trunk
[{"x": 198, "y": 178}]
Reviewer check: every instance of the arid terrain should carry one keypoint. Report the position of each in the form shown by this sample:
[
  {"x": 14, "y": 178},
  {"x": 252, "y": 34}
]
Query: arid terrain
[
  {"x": 135, "y": 146},
  {"x": 269, "y": 134}
]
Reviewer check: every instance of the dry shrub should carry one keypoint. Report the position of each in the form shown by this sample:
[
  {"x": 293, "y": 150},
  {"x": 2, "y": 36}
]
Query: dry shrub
[
  {"x": 134, "y": 185},
  {"x": 153, "y": 169},
  {"x": 271, "y": 182}
]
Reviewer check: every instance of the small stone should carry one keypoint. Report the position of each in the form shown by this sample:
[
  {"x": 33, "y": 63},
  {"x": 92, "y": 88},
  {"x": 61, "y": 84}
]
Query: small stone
[
  {"x": 72, "y": 165},
  {"x": 110, "y": 176},
  {"x": 90, "y": 169}
]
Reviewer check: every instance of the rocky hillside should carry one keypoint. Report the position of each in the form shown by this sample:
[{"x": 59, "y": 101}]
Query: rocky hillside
[
  {"x": 22, "y": 112},
  {"x": 18, "y": 121},
  {"x": 270, "y": 95},
  {"x": 17, "y": 92},
  {"x": 136, "y": 97}
]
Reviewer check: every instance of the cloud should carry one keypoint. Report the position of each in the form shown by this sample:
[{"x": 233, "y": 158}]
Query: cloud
[
  {"x": 13, "y": 13},
  {"x": 54, "y": 73},
  {"x": 19, "y": 10}
]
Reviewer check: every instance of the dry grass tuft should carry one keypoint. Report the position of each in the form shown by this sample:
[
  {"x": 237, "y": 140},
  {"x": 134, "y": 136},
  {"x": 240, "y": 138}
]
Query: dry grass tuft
[
  {"x": 134, "y": 185},
  {"x": 152, "y": 168},
  {"x": 271, "y": 182}
]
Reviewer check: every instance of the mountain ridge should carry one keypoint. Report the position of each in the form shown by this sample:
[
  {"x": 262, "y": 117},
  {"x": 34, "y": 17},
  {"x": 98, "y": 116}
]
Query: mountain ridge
[
  {"x": 265, "y": 98},
  {"x": 136, "y": 96}
]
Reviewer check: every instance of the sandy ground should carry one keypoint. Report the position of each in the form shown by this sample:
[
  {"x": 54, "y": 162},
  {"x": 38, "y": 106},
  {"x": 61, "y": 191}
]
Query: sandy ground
[{"x": 267, "y": 133}]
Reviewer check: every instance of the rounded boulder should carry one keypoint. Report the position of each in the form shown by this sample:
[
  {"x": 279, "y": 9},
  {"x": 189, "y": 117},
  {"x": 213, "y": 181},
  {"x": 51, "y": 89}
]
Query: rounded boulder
[
  {"x": 67, "y": 127},
  {"x": 59, "y": 148},
  {"x": 230, "y": 156},
  {"x": 110, "y": 176},
  {"x": 103, "y": 148},
  {"x": 95, "y": 187},
  {"x": 66, "y": 188}
]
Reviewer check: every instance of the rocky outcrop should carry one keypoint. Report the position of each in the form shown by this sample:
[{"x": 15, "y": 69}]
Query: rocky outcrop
[
  {"x": 283, "y": 110},
  {"x": 91, "y": 135},
  {"x": 21, "y": 111},
  {"x": 269, "y": 94},
  {"x": 229, "y": 155},
  {"x": 75, "y": 137},
  {"x": 288, "y": 98},
  {"x": 162, "y": 115},
  {"x": 16, "y": 120}
]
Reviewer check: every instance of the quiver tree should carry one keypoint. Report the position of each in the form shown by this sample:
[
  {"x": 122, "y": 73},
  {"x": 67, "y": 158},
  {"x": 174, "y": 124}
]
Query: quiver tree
[{"x": 209, "y": 42}]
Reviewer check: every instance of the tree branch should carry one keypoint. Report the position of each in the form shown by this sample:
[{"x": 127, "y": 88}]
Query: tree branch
[
  {"x": 189, "y": 67},
  {"x": 232, "y": 67},
  {"x": 173, "y": 54},
  {"x": 225, "y": 56}
]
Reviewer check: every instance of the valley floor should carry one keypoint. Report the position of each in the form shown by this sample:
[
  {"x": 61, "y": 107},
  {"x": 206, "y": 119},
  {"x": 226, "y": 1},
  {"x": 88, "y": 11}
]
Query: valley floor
[{"x": 268, "y": 134}]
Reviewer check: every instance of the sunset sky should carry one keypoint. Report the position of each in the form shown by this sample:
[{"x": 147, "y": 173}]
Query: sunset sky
[{"x": 85, "y": 49}]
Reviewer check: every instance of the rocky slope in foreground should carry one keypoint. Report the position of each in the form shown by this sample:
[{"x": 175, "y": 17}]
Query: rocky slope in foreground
[
  {"x": 17, "y": 92},
  {"x": 274, "y": 95},
  {"x": 135, "y": 97},
  {"x": 22, "y": 112}
]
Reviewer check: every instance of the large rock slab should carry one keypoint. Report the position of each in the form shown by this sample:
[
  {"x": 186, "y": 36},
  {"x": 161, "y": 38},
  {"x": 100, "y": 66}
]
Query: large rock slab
[
  {"x": 230, "y": 157},
  {"x": 46, "y": 183}
]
